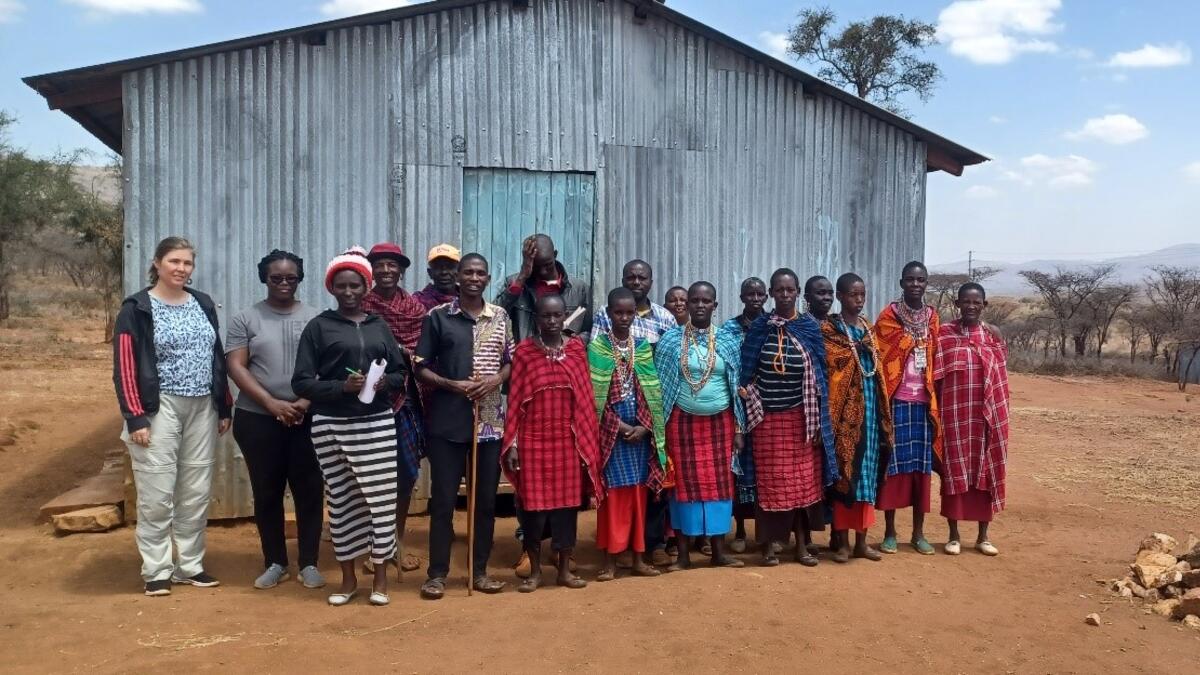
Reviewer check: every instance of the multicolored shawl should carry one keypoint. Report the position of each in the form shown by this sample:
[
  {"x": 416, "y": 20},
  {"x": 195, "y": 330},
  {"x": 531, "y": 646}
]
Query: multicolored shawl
[
  {"x": 403, "y": 314},
  {"x": 848, "y": 405},
  {"x": 431, "y": 297},
  {"x": 666, "y": 361},
  {"x": 602, "y": 362},
  {"x": 805, "y": 330},
  {"x": 956, "y": 345},
  {"x": 531, "y": 368},
  {"x": 894, "y": 344}
]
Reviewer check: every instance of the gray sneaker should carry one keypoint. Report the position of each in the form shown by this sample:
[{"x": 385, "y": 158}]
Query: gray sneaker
[
  {"x": 311, "y": 577},
  {"x": 271, "y": 578}
]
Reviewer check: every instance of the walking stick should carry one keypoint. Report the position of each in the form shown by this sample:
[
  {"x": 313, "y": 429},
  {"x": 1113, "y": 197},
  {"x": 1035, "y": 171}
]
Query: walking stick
[{"x": 473, "y": 459}]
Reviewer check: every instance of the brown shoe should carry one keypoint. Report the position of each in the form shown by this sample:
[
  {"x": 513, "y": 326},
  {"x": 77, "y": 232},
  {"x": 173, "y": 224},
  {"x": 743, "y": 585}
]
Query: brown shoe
[
  {"x": 523, "y": 568},
  {"x": 660, "y": 558}
]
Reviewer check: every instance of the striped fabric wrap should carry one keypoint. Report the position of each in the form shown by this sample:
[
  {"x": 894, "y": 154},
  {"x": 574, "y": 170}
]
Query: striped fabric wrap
[{"x": 602, "y": 362}]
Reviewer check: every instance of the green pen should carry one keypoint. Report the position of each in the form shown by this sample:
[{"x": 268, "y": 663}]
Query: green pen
[{"x": 353, "y": 371}]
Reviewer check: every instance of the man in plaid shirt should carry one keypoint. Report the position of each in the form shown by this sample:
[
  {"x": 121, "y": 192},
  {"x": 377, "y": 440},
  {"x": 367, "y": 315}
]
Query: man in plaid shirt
[{"x": 651, "y": 319}]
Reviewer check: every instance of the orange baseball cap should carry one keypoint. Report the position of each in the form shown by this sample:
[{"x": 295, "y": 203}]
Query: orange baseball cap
[{"x": 444, "y": 251}]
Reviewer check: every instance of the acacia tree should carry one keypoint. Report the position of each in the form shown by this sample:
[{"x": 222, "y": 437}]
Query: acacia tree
[
  {"x": 877, "y": 59},
  {"x": 1103, "y": 307},
  {"x": 32, "y": 194},
  {"x": 1065, "y": 293},
  {"x": 99, "y": 230}
]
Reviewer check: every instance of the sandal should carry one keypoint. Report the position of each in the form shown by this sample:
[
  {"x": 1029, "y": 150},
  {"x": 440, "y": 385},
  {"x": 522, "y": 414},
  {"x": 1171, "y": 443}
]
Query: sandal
[
  {"x": 529, "y": 585},
  {"x": 646, "y": 571},
  {"x": 889, "y": 545},
  {"x": 953, "y": 547},
  {"x": 573, "y": 582},
  {"x": 987, "y": 548},
  {"x": 486, "y": 584},
  {"x": 841, "y": 556},
  {"x": 433, "y": 589},
  {"x": 923, "y": 547},
  {"x": 732, "y": 563},
  {"x": 340, "y": 599},
  {"x": 808, "y": 560},
  {"x": 606, "y": 575},
  {"x": 769, "y": 561},
  {"x": 869, "y": 554},
  {"x": 378, "y": 599}
]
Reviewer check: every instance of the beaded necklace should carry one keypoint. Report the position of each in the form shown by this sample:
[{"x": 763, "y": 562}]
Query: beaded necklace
[
  {"x": 689, "y": 339},
  {"x": 779, "y": 362},
  {"x": 555, "y": 354},
  {"x": 623, "y": 350},
  {"x": 916, "y": 321},
  {"x": 868, "y": 341}
]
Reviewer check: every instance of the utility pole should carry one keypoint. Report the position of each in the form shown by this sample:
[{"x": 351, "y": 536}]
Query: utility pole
[{"x": 971, "y": 265}]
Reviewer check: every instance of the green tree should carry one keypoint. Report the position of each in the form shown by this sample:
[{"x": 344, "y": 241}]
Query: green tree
[
  {"x": 98, "y": 227},
  {"x": 877, "y": 59},
  {"x": 33, "y": 195}
]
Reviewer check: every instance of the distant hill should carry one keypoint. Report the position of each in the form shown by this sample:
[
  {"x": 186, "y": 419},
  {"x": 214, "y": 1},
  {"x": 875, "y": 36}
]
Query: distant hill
[
  {"x": 100, "y": 179},
  {"x": 1130, "y": 269}
]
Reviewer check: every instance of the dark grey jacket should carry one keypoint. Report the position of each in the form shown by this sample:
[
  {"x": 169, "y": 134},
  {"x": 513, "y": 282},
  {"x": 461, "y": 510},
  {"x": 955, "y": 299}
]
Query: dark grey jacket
[{"x": 520, "y": 307}]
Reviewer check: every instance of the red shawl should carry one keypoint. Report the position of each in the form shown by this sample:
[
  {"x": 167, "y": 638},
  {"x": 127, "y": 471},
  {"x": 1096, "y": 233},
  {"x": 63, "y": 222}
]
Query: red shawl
[
  {"x": 530, "y": 368},
  {"x": 403, "y": 314}
]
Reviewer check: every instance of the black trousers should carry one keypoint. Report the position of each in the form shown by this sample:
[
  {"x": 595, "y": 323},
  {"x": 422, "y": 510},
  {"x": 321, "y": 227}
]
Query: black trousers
[
  {"x": 560, "y": 525},
  {"x": 278, "y": 457},
  {"x": 656, "y": 520},
  {"x": 447, "y": 466}
]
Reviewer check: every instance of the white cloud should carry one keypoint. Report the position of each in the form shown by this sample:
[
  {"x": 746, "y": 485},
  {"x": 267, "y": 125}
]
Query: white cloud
[
  {"x": 997, "y": 119},
  {"x": 996, "y": 31},
  {"x": 1115, "y": 129},
  {"x": 1057, "y": 172},
  {"x": 1153, "y": 56},
  {"x": 1192, "y": 172},
  {"x": 351, "y": 7},
  {"x": 775, "y": 44},
  {"x": 981, "y": 192},
  {"x": 140, "y": 6},
  {"x": 10, "y": 11}
]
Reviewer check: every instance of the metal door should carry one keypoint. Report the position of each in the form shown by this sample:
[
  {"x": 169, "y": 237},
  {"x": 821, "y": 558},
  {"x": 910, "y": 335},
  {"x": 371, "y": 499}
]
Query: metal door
[{"x": 503, "y": 206}]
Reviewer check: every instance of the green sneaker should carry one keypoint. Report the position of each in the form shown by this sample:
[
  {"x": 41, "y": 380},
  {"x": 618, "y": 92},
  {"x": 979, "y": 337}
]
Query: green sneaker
[
  {"x": 888, "y": 545},
  {"x": 923, "y": 547}
]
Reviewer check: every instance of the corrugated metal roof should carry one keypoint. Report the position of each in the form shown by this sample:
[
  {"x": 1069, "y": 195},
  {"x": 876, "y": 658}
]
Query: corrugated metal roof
[{"x": 70, "y": 89}]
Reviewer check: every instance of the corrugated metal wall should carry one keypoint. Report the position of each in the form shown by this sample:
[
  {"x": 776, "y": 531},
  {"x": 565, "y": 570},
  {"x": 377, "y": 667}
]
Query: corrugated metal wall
[{"x": 708, "y": 163}]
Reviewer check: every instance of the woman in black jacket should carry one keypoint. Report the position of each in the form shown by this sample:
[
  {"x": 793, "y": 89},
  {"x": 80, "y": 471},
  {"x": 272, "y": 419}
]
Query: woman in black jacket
[
  {"x": 169, "y": 373},
  {"x": 355, "y": 440}
]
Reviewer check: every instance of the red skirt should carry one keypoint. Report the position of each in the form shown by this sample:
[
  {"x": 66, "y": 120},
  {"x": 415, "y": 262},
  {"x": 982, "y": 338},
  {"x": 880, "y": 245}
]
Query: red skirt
[
  {"x": 701, "y": 448},
  {"x": 904, "y": 490},
  {"x": 551, "y": 468},
  {"x": 621, "y": 520},
  {"x": 859, "y": 517},
  {"x": 787, "y": 468},
  {"x": 973, "y": 505}
]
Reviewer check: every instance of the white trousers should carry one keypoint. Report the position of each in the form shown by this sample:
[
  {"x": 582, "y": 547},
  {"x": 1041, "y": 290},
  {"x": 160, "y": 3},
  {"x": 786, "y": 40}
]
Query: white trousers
[{"x": 173, "y": 477}]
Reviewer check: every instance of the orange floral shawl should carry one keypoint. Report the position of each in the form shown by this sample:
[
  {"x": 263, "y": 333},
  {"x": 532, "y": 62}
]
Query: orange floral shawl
[
  {"x": 894, "y": 344},
  {"x": 847, "y": 407}
]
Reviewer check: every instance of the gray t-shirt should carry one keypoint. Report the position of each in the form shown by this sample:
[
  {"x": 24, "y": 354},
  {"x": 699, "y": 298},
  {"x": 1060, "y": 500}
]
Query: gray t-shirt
[{"x": 272, "y": 337}]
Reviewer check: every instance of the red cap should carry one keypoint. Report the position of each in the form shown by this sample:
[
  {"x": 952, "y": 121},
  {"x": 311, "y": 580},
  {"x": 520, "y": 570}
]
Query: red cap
[{"x": 387, "y": 249}]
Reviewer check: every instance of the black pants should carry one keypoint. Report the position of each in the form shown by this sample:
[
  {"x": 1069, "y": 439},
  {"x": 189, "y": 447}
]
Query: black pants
[
  {"x": 560, "y": 525},
  {"x": 447, "y": 466},
  {"x": 656, "y": 521},
  {"x": 277, "y": 457}
]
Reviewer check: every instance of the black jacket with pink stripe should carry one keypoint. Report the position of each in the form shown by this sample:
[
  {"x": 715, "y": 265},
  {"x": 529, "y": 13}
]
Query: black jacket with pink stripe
[{"x": 135, "y": 366}]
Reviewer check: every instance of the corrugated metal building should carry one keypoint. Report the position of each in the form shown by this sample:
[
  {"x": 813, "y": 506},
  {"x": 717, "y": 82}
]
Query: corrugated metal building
[{"x": 623, "y": 128}]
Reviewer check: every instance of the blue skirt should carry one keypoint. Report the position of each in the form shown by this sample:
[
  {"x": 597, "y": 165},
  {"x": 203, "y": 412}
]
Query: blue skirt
[{"x": 697, "y": 519}]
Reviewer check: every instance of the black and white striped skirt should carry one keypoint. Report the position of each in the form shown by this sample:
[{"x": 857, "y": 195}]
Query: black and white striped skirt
[{"x": 358, "y": 460}]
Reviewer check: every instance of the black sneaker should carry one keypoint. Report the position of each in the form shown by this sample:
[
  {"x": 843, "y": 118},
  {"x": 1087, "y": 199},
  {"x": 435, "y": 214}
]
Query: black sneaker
[
  {"x": 157, "y": 588},
  {"x": 201, "y": 580}
]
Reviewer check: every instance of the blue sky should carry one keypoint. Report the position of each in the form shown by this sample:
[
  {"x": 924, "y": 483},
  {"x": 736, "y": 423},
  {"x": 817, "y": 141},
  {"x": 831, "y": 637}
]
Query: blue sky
[{"x": 1089, "y": 107}]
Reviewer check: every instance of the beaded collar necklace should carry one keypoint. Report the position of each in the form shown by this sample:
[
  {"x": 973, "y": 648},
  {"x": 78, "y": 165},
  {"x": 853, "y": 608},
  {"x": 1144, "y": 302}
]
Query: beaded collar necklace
[{"x": 690, "y": 338}]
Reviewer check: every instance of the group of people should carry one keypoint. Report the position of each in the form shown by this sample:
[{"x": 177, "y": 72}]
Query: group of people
[{"x": 676, "y": 429}]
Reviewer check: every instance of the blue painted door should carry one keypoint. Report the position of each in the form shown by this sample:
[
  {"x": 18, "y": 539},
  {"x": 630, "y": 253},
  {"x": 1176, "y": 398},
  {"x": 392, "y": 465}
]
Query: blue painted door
[{"x": 503, "y": 206}]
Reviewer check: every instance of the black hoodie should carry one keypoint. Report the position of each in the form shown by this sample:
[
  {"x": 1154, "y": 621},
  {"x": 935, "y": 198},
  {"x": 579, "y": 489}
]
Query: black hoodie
[
  {"x": 135, "y": 364},
  {"x": 329, "y": 346}
]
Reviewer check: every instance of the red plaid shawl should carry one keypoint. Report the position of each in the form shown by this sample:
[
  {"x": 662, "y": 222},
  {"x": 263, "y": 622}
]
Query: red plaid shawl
[
  {"x": 533, "y": 372},
  {"x": 701, "y": 450},
  {"x": 403, "y": 314},
  {"x": 971, "y": 369}
]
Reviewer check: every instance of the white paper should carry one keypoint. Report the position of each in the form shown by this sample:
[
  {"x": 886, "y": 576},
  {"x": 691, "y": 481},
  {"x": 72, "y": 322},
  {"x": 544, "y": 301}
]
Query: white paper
[{"x": 367, "y": 394}]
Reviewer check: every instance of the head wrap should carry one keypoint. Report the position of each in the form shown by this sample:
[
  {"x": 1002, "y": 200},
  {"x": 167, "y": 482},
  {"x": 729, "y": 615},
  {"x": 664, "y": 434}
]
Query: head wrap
[{"x": 353, "y": 259}]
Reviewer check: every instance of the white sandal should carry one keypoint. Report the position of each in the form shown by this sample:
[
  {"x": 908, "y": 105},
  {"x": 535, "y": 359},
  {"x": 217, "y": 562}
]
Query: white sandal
[
  {"x": 339, "y": 599},
  {"x": 987, "y": 548},
  {"x": 953, "y": 547},
  {"x": 378, "y": 599}
]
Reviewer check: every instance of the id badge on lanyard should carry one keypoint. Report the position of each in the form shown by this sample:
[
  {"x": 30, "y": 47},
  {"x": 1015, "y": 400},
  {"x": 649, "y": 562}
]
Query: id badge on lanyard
[{"x": 920, "y": 358}]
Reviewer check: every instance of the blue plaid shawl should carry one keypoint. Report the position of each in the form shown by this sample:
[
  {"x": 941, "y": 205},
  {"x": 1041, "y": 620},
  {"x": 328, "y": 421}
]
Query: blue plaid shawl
[
  {"x": 807, "y": 332},
  {"x": 666, "y": 362}
]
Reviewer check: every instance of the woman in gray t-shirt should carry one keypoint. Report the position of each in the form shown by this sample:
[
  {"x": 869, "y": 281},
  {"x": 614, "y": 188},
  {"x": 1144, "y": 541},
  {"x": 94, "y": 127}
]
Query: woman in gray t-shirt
[{"x": 271, "y": 424}]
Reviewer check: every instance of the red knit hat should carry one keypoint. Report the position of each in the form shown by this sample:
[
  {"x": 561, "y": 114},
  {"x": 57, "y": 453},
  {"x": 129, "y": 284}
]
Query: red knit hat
[
  {"x": 353, "y": 259},
  {"x": 387, "y": 249}
]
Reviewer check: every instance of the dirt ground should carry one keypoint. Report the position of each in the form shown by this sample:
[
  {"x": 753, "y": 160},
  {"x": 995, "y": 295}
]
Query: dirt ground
[{"x": 1094, "y": 466}]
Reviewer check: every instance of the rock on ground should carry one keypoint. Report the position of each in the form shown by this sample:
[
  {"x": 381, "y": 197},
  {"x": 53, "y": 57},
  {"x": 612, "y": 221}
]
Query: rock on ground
[
  {"x": 1150, "y": 565},
  {"x": 1092, "y": 619},
  {"x": 1159, "y": 543},
  {"x": 93, "y": 519},
  {"x": 1192, "y": 621},
  {"x": 1189, "y": 603},
  {"x": 1165, "y": 608}
]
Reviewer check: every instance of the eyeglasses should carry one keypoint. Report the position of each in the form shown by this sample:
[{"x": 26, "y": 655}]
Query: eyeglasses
[{"x": 279, "y": 279}]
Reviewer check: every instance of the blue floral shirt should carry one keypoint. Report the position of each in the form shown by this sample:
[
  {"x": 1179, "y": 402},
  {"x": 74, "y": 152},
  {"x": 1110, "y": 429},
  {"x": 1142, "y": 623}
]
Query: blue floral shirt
[{"x": 183, "y": 343}]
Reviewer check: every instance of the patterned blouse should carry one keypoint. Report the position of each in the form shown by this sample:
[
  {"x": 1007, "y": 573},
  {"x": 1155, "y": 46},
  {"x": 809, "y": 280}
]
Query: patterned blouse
[{"x": 183, "y": 343}]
